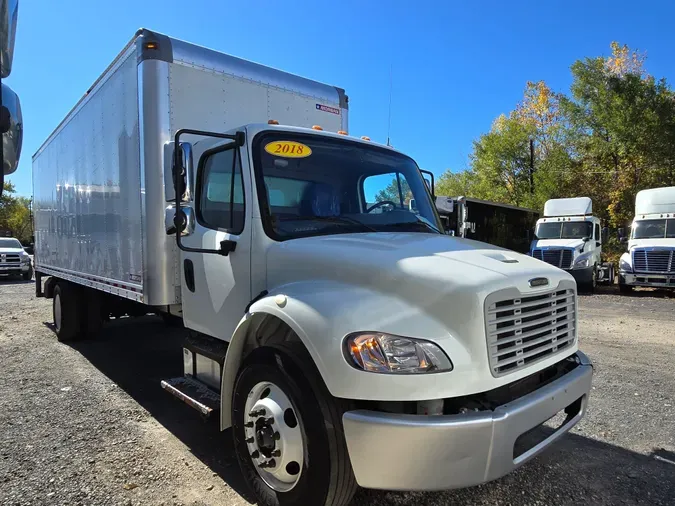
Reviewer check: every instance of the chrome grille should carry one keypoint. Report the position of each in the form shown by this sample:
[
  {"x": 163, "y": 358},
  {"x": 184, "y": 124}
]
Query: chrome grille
[
  {"x": 653, "y": 260},
  {"x": 9, "y": 258},
  {"x": 522, "y": 331},
  {"x": 561, "y": 258}
]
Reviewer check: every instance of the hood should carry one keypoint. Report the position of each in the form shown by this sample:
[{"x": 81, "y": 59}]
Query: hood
[
  {"x": 651, "y": 243},
  {"x": 404, "y": 263},
  {"x": 557, "y": 243},
  {"x": 12, "y": 250}
]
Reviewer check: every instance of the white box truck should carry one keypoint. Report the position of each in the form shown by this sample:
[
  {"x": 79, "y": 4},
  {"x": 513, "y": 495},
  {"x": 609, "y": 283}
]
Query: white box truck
[
  {"x": 343, "y": 337},
  {"x": 650, "y": 259},
  {"x": 570, "y": 237}
]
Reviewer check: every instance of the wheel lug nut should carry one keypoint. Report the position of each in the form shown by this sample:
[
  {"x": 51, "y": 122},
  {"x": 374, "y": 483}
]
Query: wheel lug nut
[
  {"x": 256, "y": 414},
  {"x": 270, "y": 420},
  {"x": 276, "y": 436},
  {"x": 268, "y": 464},
  {"x": 248, "y": 425},
  {"x": 249, "y": 440},
  {"x": 255, "y": 454},
  {"x": 276, "y": 453}
]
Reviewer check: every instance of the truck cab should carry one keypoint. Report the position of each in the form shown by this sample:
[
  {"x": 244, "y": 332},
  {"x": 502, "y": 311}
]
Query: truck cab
[
  {"x": 570, "y": 238},
  {"x": 650, "y": 259}
]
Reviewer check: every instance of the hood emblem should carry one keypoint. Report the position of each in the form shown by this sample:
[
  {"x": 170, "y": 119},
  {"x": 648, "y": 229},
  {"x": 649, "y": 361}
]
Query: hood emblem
[{"x": 535, "y": 282}]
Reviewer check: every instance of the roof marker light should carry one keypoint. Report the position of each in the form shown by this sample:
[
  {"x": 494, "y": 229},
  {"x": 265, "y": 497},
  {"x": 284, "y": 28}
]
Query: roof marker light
[
  {"x": 272, "y": 122},
  {"x": 316, "y": 127},
  {"x": 365, "y": 138},
  {"x": 341, "y": 132}
]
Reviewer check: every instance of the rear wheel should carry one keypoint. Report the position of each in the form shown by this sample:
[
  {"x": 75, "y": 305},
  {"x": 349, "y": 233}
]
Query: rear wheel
[
  {"x": 283, "y": 419},
  {"x": 67, "y": 317}
]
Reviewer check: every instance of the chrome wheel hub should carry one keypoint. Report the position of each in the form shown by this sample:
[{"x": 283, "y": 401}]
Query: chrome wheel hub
[{"x": 273, "y": 436}]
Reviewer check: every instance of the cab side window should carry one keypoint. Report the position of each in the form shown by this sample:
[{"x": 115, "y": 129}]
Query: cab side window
[
  {"x": 597, "y": 232},
  {"x": 221, "y": 194}
]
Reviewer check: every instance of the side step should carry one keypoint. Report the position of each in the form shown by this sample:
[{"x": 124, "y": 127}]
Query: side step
[{"x": 193, "y": 393}]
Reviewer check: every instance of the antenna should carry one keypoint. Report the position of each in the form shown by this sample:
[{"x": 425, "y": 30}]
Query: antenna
[{"x": 391, "y": 79}]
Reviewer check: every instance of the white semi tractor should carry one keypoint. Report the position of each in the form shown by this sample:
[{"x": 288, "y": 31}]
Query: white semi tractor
[
  {"x": 570, "y": 237},
  {"x": 344, "y": 338},
  {"x": 650, "y": 259}
]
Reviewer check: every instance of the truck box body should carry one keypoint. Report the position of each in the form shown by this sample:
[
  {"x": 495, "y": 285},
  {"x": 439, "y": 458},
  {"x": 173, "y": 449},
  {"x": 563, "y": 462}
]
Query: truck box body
[
  {"x": 102, "y": 179},
  {"x": 502, "y": 225}
]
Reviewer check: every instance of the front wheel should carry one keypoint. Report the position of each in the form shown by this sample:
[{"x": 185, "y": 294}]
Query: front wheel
[
  {"x": 281, "y": 425},
  {"x": 28, "y": 275}
]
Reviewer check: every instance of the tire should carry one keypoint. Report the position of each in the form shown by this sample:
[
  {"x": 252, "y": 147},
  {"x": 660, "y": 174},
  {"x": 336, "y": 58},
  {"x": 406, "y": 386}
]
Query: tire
[
  {"x": 67, "y": 317},
  {"x": 329, "y": 481},
  {"x": 27, "y": 276}
]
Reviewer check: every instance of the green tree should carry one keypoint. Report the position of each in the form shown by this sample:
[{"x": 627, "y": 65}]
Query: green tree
[
  {"x": 15, "y": 214},
  {"x": 391, "y": 192},
  {"x": 623, "y": 124}
]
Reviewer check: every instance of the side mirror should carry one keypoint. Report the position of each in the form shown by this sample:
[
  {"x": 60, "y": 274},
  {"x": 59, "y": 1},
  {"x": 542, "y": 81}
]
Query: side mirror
[
  {"x": 11, "y": 122},
  {"x": 9, "y": 11},
  {"x": 183, "y": 220},
  {"x": 621, "y": 231},
  {"x": 623, "y": 239},
  {"x": 586, "y": 239},
  {"x": 429, "y": 182},
  {"x": 186, "y": 175}
]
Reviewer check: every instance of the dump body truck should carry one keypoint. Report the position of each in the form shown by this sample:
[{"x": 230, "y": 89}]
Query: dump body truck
[
  {"x": 650, "y": 259},
  {"x": 568, "y": 236},
  {"x": 323, "y": 317},
  {"x": 502, "y": 225}
]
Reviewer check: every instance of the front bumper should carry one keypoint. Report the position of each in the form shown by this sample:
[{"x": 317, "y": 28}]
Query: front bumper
[
  {"x": 413, "y": 452},
  {"x": 14, "y": 268},
  {"x": 583, "y": 276},
  {"x": 644, "y": 279}
]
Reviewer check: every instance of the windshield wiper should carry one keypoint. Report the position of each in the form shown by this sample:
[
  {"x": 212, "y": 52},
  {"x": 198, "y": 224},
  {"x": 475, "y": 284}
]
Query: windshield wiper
[
  {"x": 344, "y": 220},
  {"x": 414, "y": 224}
]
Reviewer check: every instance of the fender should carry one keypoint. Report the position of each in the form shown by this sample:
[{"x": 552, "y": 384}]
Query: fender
[{"x": 322, "y": 313}]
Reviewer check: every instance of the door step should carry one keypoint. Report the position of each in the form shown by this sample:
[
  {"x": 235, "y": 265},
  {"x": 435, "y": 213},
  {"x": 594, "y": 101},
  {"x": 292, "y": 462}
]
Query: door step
[{"x": 193, "y": 393}]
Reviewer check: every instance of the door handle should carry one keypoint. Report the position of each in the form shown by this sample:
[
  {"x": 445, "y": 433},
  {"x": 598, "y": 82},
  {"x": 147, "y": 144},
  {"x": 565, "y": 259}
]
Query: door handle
[{"x": 227, "y": 247}]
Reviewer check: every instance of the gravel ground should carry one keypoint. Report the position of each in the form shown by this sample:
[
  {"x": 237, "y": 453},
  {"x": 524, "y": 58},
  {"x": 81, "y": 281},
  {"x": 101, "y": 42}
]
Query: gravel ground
[{"x": 88, "y": 424}]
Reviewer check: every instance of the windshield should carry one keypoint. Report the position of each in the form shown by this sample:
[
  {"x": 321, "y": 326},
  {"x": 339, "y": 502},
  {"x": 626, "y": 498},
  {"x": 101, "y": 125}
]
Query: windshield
[
  {"x": 654, "y": 229},
  {"x": 311, "y": 185},
  {"x": 10, "y": 243},
  {"x": 565, "y": 230}
]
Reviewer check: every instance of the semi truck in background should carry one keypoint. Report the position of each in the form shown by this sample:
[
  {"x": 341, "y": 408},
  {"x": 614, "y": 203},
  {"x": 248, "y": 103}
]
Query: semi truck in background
[
  {"x": 570, "y": 237},
  {"x": 344, "y": 339},
  {"x": 502, "y": 225},
  {"x": 650, "y": 259}
]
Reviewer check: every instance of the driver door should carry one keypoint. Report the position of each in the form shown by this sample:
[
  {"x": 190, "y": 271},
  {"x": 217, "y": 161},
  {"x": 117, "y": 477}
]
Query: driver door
[{"x": 216, "y": 287}]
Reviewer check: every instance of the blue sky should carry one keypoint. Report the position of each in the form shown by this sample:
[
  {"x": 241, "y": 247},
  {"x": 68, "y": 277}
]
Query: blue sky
[{"x": 456, "y": 65}]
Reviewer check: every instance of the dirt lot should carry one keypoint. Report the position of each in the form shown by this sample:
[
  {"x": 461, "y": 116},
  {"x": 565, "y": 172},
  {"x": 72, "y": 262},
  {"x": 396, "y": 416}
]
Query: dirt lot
[{"x": 89, "y": 425}]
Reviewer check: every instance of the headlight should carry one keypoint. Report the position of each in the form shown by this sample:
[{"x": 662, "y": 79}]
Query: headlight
[
  {"x": 582, "y": 262},
  {"x": 25, "y": 259},
  {"x": 385, "y": 353},
  {"x": 625, "y": 266}
]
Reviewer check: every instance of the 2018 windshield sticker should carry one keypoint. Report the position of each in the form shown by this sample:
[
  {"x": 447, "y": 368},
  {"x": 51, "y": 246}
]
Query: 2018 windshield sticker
[{"x": 288, "y": 149}]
